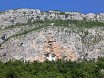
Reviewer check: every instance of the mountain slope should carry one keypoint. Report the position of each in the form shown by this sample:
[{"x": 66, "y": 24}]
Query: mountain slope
[{"x": 35, "y": 35}]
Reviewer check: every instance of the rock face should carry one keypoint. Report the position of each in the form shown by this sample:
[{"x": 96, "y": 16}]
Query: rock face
[
  {"x": 29, "y": 43},
  {"x": 11, "y": 17}
]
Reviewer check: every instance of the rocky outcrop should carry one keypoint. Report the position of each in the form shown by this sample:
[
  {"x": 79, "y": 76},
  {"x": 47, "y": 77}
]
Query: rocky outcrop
[
  {"x": 54, "y": 43},
  {"x": 48, "y": 41},
  {"x": 11, "y": 17}
]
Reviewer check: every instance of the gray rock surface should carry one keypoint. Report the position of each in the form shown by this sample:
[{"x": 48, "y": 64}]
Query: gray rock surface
[
  {"x": 29, "y": 43},
  {"x": 11, "y": 17}
]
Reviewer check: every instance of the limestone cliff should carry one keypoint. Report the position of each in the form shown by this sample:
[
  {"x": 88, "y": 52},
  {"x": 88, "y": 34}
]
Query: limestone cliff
[
  {"x": 29, "y": 35},
  {"x": 11, "y": 17}
]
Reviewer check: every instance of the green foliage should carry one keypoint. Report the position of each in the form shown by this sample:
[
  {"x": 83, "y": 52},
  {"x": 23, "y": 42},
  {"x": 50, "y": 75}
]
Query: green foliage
[
  {"x": 16, "y": 25},
  {"x": 62, "y": 13},
  {"x": 1, "y": 12},
  {"x": 64, "y": 23},
  {"x": 54, "y": 69}
]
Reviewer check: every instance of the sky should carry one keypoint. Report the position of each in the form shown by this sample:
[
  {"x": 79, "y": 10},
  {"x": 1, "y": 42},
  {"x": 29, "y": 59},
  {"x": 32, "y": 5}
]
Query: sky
[{"x": 83, "y": 6}]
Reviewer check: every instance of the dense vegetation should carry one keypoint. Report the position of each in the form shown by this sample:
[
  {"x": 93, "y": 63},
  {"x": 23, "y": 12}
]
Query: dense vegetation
[
  {"x": 58, "y": 69},
  {"x": 65, "y": 23}
]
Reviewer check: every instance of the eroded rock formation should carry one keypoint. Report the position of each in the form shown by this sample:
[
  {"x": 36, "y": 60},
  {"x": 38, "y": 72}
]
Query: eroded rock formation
[
  {"x": 49, "y": 42},
  {"x": 12, "y": 17}
]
